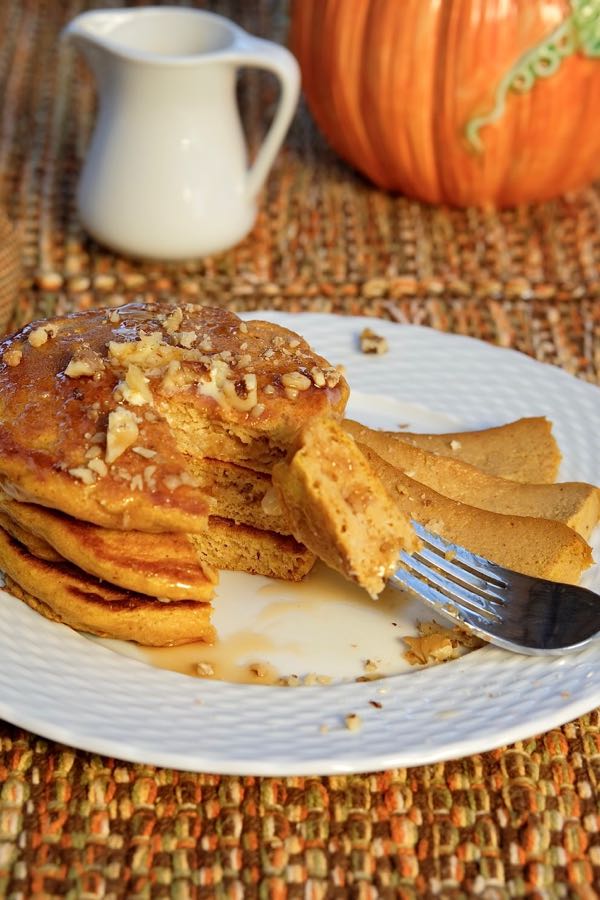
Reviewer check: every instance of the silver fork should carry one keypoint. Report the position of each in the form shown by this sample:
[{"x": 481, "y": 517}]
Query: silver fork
[{"x": 516, "y": 612}]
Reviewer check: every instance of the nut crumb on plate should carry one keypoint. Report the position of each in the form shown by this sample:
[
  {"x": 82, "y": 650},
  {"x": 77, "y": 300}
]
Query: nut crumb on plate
[{"x": 370, "y": 342}]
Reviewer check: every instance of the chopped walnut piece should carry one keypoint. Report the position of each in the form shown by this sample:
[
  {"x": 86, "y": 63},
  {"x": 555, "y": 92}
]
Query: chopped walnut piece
[
  {"x": 40, "y": 335},
  {"x": 436, "y": 643},
  {"x": 317, "y": 376},
  {"x": 353, "y": 722},
  {"x": 455, "y": 445},
  {"x": 370, "y": 342},
  {"x": 83, "y": 473},
  {"x": 243, "y": 328},
  {"x": 174, "y": 321},
  {"x": 296, "y": 381},
  {"x": 186, "y": 339},
  {"x": 144, "y": 451},
  {"x": 98, "y": 466},
  {"x": 205, "y": 669},
  {"x": 85, "y": 363},
  {"x": 13, "y": 356},
  {"x": 122, "y": 433},
  {"x": 135, "y": 390}
]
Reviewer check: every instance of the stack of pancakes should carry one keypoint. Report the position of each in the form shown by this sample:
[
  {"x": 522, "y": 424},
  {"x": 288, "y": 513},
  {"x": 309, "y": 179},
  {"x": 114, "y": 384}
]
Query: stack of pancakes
[{"x": 136, "y": 446}]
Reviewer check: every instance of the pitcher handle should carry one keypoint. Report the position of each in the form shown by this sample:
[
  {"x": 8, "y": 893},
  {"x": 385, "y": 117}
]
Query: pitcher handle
[{"x": 253, "y": 51}]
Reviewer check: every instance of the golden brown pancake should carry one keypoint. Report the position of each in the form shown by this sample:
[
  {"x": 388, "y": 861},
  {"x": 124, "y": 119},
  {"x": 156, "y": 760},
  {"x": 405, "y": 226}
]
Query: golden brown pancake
[
  {"x": 66, "y": 594},
  {"x": 245, "y": 549},
  {"x": 574, "y": 503},
  {"x": 242, "y": 494},
  {"x": 524, "y": 450},
  {"x": 540, "y": 547},
  {"x": 171, "y": 566},
  {"x": 36, "y": 545},
  {"x": 98, "y": 409},
  {"x": 339, "y": 508},
  {"x": 161, "y": 565}
]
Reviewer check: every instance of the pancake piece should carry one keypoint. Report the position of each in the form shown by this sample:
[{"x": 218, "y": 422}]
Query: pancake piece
[
  {"x": 63, "y": 593},
  {"x": 523, "y": 451},
  {"x": 122, "y": 397},
  {"x": 339, "y": 508},
  {"x": 245, "y": 549},
  {"x": 574, "y": 503},
  {"x": 241, "y": 494},
  {"x": 539, "y": 547},
  {"x": 161, "y": 565}
]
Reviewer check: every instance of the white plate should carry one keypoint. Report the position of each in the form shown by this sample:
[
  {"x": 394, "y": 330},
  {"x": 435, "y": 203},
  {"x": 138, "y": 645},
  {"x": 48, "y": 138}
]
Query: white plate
[{"x": 65, "y": 687}]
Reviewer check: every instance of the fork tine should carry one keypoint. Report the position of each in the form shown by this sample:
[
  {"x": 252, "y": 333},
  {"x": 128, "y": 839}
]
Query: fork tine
[
  {"x": 441, "y": 603},
  {"x": 480, "y": 566},
  {"x": 458, "y": 594},
  {"x": 463, "y": 576}
]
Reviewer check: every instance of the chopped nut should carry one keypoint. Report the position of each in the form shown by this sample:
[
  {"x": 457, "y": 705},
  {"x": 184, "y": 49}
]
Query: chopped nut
[
  {"x": 99, "y": 466},
  {"x": 144, "y": 451},
  {"x": 174, "y": 321},
  {"x": 370, "y": 342},
  {"x": 455, "y": 445},
  {"x": 291, "y": 393},
  {"x": 13, "y": 356},
  {"x": 122, "y": 433},
  {"x": 83, "y": 473},
  {"x": 317, "y": 376},
  {"x": 205, "y": 669},
  {"x": 296, "y": 381},
  {"x": 134, "y": 390},
  {"x": 243, "y": 328},
  {"x": 257, "y": 410},
  {"x": 136, "y": 482},
  {"x": 85, "y": 363},
  {"x": 114, "y": 317},
  {"x": 38, "y": 336},
  {"x": 93, "y": 451},
  {"x": 269, "y": 389},
  {"x": 353, "y": 722},
  {"x": 186, "y": 339}
]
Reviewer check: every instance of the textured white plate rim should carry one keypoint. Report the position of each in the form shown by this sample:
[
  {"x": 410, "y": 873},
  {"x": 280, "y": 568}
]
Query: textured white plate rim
[{"x": 70, "y": 690}]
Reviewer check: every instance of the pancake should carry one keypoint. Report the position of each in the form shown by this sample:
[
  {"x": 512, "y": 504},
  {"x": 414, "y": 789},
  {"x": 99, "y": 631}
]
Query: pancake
[
  {"x": 540, "y": 547},
  {"x": 523, "y": 451},
  {"x": 161, "y": 565},
  {"x": 241, "y": 494},
  {"x": 171, "y": 566},
  {"x": 245, "y": 549},
  {"x": 98, "y": 409},
  {"x": 339, "y": 508},
  {"x": 36, "y": 545},
  {"x": 63, "y": 593},
  {"x": 574, "y": 503}
]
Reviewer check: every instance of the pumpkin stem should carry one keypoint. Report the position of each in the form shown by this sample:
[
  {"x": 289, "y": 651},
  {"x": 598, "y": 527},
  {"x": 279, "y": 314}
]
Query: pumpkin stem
[{"x": 580, "y": 31}]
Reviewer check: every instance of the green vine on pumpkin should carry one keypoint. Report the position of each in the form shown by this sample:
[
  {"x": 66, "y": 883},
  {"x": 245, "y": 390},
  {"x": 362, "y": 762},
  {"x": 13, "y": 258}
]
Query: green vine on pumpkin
[{"x": 580, "y": 32}]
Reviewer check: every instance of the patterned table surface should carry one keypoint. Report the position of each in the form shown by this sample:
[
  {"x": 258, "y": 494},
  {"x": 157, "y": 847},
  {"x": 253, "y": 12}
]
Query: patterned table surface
[{"x": 520, "y": 821}]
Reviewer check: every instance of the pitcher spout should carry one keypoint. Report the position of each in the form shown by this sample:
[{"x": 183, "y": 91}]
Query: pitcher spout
[{"x": 94, "y": 28}]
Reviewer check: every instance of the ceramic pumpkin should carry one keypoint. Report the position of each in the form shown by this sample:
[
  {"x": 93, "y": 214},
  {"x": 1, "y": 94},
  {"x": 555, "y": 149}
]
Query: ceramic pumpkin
[{"x": 463, "y": 102}]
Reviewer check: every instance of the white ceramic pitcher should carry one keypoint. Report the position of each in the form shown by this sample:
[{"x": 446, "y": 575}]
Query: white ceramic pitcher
[{"x": 166, "y": 174}]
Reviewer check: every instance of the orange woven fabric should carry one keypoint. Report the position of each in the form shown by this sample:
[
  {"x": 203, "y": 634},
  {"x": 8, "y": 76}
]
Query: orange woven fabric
[{"x": 522, "y": 821}]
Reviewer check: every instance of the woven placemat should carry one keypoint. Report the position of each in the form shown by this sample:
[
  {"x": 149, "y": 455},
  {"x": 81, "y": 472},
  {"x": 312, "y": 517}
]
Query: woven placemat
[{"x": 522, "y": 821}]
